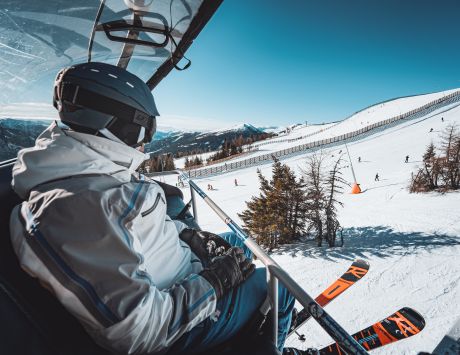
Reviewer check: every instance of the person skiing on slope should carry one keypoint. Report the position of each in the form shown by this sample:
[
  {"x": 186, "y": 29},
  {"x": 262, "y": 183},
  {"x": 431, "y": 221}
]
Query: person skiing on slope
[
  {"x": 96, "y": 232},
  {"x": 377, "y": 178},
  {"x": 407, "y": 159},
  {"x": 236, "y": 182}
]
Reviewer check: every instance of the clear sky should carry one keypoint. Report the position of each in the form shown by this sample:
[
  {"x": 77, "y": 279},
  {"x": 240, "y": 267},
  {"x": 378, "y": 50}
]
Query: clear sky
[{"x": 271, "y": 62}]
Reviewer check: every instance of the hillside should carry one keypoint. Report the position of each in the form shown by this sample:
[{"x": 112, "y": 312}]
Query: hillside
[
  {"x": 412, "y": 241},
  {"x": 16, "y": 134},
  {"x": 204, "y": 141}
]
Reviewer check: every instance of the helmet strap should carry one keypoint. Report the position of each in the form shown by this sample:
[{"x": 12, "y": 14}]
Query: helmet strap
[{"x": 107, "y": 134}]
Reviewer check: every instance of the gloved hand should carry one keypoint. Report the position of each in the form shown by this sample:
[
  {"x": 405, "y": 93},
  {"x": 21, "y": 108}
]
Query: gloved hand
[
  {"x": 228, "y": 271},
  {"x": 205, "y": 245}
]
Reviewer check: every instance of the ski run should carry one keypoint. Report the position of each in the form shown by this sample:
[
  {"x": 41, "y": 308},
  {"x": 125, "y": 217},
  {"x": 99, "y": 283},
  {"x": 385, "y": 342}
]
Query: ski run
[{"x": 411, "y": 241}]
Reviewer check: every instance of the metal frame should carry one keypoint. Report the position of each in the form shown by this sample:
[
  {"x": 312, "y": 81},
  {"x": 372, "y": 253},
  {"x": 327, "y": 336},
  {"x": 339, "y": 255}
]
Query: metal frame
[{"x": 274, "y": 274}]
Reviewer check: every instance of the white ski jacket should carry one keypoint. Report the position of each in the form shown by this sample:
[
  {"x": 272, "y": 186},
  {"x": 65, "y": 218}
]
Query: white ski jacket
[{"x": 97, "y": 235}]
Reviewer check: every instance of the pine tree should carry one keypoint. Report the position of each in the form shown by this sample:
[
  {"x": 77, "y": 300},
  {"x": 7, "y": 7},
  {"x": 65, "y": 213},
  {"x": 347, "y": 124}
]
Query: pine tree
[{"x": 275, "y": 216}]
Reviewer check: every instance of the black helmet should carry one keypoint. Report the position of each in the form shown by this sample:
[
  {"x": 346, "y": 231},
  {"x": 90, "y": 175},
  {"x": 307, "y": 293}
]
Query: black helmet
[{"x": 103, "y": 99}]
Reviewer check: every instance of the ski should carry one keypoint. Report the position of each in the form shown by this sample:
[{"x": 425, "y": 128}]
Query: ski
[
  {"x": 400, "y": 325},
  {"x": 355, "y": 272}
]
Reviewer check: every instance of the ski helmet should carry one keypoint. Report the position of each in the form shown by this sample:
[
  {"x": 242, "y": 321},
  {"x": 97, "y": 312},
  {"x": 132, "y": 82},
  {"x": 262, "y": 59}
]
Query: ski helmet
[{"x": 107, "y": 100}]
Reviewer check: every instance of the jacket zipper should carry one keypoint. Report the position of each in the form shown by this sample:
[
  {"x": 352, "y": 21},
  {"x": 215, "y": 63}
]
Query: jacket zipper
[{"x": 155, "y": 204}]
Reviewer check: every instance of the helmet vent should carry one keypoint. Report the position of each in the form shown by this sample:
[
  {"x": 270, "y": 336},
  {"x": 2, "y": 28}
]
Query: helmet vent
[
  {"x": 113, "y": 76},
  {"x": 129, "y": 84}
]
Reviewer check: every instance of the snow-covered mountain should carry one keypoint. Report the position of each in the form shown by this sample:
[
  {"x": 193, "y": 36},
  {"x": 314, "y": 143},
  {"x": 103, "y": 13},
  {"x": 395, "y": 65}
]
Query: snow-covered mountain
[
  {"x": 176, "y": 141},
  {"x": 16, "y": 134}
]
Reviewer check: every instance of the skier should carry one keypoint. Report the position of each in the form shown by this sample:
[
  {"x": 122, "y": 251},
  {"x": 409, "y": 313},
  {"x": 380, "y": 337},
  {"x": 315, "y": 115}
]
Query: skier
[
  {"x": 442, "y": 119},
  {"x": 431, "y": 130},
  {"x": 377, "y": 177},
  {"x": 359, "y": 159},
  {"x": 96, "y": 233},
  {"x": 236, "y": 182},
  {"x": 407, "y": 159}
]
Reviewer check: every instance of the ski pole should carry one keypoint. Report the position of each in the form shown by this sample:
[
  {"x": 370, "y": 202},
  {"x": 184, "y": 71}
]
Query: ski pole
[{"x": 341, "y": 337}]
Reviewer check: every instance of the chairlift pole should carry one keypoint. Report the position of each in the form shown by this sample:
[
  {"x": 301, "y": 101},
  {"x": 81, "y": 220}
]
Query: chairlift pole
[
  {"x": 351, "y": 164},
  {"x": 355, "y": 189},
  {"x": 343, "y": 339}
]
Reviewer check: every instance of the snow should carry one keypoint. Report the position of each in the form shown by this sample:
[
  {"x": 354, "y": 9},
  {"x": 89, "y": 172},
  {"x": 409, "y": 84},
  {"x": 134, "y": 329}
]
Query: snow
[
  {"x": 368, "y": 116},
  {"x": 412, "y": 241}
]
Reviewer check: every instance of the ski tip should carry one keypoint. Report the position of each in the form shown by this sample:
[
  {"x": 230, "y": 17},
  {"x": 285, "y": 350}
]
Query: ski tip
[
  {"x": 413, "y": 316},
  {"x": 361, "y": 263}
]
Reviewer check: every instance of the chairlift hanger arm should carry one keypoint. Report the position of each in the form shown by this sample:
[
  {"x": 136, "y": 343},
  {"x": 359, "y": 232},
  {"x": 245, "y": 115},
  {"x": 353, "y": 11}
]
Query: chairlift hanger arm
[{"x": 206, "y": 11}]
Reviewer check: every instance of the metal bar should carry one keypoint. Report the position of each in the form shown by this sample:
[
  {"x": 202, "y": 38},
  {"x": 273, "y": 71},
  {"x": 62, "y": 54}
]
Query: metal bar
[
  {"x": 343, "y": 339},
  {"x": 273, "y": 296},
  {"x": 192, "y": 194}
]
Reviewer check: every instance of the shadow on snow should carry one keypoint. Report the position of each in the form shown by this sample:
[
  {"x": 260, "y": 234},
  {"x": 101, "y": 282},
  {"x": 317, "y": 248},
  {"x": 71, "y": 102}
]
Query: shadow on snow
[{"x": 360, "y": 242}]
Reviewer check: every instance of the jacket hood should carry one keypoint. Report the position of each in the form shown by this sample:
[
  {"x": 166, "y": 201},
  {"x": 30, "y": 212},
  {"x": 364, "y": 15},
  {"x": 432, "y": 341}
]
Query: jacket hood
[{"x": 59, "y": 154}]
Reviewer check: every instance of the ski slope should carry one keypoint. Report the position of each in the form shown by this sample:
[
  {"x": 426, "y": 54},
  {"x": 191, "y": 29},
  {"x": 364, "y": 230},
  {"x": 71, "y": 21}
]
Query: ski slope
[
  {"x": 305, "y": 134},
  {"x": 412, "y": 241}
]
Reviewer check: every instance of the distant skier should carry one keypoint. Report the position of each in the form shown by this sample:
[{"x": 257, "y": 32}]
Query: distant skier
[
  {"x": 236, "y": 182},
  {"x": 442, "y": 119},
  {"x": 431, "y": 130},
  {"x": 359, "y": 159},
  {"x": 407, "y": 159},
  {"x": 377, "y": 177}
]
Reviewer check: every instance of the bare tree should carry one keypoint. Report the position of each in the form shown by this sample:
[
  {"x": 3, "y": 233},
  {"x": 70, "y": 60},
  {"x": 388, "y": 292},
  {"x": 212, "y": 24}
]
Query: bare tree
[
  {"x": 315, "y": 196},
  {"x": 334, "y": 187},
  {"x": 450, "y": 146}
]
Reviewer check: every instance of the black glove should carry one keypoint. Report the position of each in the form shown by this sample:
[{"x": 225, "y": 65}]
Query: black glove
[
  {"x": 205, "y": 245},
  {"x": 228, "y": 271}
]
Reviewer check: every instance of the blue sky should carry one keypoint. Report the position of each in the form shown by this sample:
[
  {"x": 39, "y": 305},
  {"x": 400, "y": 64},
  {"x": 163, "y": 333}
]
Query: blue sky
[{"x": 279, "y": 62}]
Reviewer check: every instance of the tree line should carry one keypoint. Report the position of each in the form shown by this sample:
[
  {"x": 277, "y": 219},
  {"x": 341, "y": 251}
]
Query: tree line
[
  {"x": 228, "y": 148},
  {"x": 291, "y": 208},
  {"x": 441, "y": 164}
]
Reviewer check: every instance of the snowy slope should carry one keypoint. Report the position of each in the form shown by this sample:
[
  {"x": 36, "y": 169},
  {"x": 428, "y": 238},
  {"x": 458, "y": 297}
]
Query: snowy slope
[
  {"x": 368, "y": 116},
  {"x": 412, "y": 241}
]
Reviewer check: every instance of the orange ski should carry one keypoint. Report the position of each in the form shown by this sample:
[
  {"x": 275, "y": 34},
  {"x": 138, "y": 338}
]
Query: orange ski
[
  {"x": 354, "y": 273},
  {"x": 401, "y": 325}
]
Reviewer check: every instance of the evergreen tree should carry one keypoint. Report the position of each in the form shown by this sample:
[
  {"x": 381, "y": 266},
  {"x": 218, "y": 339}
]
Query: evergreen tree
[
  {"x": 275, "y": 216},
  {"x": 186, "y": 162}
]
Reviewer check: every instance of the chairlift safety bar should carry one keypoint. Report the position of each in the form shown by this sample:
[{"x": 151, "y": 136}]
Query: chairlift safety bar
[{"x": 274, "y": 273}]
